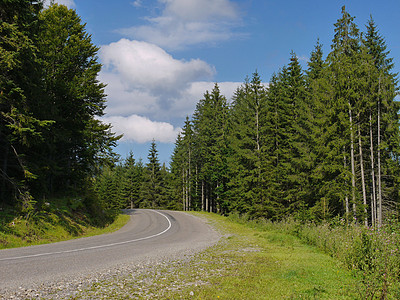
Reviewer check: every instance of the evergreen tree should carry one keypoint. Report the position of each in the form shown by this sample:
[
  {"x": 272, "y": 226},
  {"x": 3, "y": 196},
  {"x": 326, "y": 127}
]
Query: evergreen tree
[
  {"x": 383, "y": 126},
  {"x": 20, "y": 87},
  {"x": 178, "y": 172},
  {"x": 153, "y": 185},
  {"x": 132, "y": 182},
  {"x": 74, "y": 97},
  {"x": 322, "y": 202},
  {"x": 245, "y": 143},
  {"x": 210, "y": 123}
]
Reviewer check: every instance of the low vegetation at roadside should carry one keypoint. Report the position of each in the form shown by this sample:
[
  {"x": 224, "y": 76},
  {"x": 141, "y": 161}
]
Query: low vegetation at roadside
[
  {"x": 248, "y": 263},
  {"x": 66, "y": 220},
  {"x": 372, "y": 254}
]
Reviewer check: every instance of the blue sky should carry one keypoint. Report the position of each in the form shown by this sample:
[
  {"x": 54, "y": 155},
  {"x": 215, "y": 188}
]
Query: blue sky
[{"x": 160, "y": 56}]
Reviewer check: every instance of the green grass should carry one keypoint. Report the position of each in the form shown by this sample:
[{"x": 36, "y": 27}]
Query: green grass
[
  {"x": 48, "y": 227},
  {"x": 254, "y": 264}
]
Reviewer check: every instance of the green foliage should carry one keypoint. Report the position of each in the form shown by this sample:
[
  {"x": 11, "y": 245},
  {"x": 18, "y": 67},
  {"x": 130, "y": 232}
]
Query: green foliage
[
  {"x": 51, "y": 141},
  {"x": 132, "y": 184},
  {"x": 313, "y": 144}
]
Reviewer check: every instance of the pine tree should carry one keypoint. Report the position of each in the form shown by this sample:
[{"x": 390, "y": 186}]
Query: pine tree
[
  {"x": 74, "y": 98},
  {"x": 323, "y": 196},
  {"x": 153, "y": 192},
  {"x": 210, "y": 123},
  {"x": 20, "y": 87},
  {"x": 245, "y": 143},
  {"x": 383, "y": 126},
  {"x": 131, "y": 182},
  {"x": 343, "y": 61}
]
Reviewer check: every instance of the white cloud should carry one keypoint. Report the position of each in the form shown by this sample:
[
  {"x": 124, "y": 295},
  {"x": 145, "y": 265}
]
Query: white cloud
[
  {"x": 147, "y": 66},
  {"x": 150, "y": 92},
  {"x": 122, "y": 112},
  {"x": 68, "y": 3},
  {"x": 188, "y": 22},
  {"x": 141, "y": 129},
  {"x": 143, "y": 79}
]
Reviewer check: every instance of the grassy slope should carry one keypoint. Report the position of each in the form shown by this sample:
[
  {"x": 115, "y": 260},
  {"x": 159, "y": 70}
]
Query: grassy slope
[{"x": 48, "y": 227}]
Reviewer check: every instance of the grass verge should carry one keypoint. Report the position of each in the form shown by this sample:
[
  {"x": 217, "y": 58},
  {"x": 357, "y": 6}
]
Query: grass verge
[
  {"x": 248, "y": 263},
  {"x": 48, "y": 227},
  {"x": 251, "y": 263}
]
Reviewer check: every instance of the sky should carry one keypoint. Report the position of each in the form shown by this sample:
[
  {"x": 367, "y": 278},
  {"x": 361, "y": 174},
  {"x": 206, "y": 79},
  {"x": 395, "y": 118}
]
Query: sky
[{"x": 160, "y": 56}]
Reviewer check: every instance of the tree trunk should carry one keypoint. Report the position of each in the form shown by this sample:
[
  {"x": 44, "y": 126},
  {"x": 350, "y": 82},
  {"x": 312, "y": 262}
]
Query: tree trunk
[
  {"x": 203, "y": 207},
  {"x": 373, "y": 194},
  {"x": 379, "y": 217},
  {"x": 207, "y": 199},
  {"x": 183, "y": 190},
  {"x": 346, "y": 198},
  {"x": 364, "y": 192},
  {"x": 189, "y": 183},
  {"x": 353, "y": 172},
  {"x": 379, "y": 208}
]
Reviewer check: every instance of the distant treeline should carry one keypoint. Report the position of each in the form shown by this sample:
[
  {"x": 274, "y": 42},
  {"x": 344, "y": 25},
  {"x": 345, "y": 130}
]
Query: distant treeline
[
  {"x": 313, "y": 143},
  {"x": 51, "y": 141}
]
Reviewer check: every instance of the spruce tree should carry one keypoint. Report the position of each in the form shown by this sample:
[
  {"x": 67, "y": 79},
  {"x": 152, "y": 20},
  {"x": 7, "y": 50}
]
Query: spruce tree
[
  {"x": 210, "y": 123},
  {"x": 246, "y": 142},
  {"x": 20, "y": 89},
  {"x": 383, "y": 126},
  {"x": 153, "y": 192}
]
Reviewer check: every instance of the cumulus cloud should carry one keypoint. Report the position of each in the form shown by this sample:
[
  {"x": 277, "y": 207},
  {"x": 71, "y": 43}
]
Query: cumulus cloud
[
  {"x": 141, "y": 129},
  {"x": 144, "y": 79},
  {"x": 188, "y": 22},
  {"x": 133, "y": 104},
  {"x": 147, "y": 66}
]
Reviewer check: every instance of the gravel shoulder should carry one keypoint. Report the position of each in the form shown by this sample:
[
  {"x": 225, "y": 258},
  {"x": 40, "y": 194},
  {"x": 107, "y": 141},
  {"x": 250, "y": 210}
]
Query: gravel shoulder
[{"x": 132, "y": 277}]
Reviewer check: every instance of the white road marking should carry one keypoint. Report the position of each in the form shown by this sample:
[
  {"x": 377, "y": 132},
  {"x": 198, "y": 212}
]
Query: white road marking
[{"x": 96, "y": 247}]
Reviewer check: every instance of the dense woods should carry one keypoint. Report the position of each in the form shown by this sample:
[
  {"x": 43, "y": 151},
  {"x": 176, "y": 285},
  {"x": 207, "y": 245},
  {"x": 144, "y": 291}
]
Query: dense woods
[
  {"x": 51, "y": 142},
  {"x": 315, "y": 143}
]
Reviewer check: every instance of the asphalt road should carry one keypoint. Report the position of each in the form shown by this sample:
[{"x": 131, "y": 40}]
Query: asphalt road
[{"x": 148, "y": 235}]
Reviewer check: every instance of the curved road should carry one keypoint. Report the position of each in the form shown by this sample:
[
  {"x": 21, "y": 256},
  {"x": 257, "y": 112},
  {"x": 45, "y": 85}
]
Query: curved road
[{"x": 149, "y": 235}]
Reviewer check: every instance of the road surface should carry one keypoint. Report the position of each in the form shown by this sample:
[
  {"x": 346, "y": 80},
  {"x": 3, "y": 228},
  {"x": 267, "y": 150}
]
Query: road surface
[{"x": 149, "y": 235}]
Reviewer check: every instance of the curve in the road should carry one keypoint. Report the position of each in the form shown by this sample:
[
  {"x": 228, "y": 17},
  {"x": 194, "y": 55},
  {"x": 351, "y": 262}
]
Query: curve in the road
[
  {"x": 97, "y": 247},
  {"x": 150, "y": 236}
]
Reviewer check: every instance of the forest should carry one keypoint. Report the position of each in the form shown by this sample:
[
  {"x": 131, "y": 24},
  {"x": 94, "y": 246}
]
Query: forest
[
  {"x": 314, "y": 144},
  {"x": 52, "y": 144}
]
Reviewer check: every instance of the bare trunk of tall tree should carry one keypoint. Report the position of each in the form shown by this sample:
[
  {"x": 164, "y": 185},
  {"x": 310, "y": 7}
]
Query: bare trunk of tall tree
[
  {"x": 364, "y": 192},
  {"x": 379, "y": 217},
  {"x": 197, "y": 181},
  {"x": 373, "y": 195},
  {"x": 353, "y": 169},
  {"x": 187, "y": 191},
  {"x": 346, "y": 198},
  {"x": 183, "y": 190},
  {"x": 203, "y": 206},
  {"x": 207, "y": 199},
  {"x": 379, "y": 212},
  {"x": 189, "y": 182}
]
